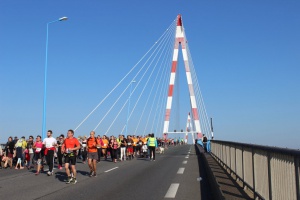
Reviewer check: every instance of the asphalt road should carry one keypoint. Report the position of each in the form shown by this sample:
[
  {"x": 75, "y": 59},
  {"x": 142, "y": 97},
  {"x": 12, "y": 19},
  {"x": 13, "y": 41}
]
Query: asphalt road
[{"x": 172, "y": 176}]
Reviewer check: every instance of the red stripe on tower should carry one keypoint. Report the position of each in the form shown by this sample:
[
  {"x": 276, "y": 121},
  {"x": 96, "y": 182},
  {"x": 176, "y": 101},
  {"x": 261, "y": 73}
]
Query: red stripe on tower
[
  {"x": 167, "y": 117},
  {"x": 174, "y": 66},
  {"x": 170, "y": 93},
  {"x": 179, "y": 22},
  {"x": 195, "y": 113}
]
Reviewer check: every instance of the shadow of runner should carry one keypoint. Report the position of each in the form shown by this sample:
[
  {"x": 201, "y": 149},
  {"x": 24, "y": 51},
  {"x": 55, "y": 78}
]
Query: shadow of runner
[{"x": 61, "y": 176}]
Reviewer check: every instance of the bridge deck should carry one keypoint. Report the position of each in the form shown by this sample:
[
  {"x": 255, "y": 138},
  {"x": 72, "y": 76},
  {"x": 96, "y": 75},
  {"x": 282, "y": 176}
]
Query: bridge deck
[{"x": 173, "y": 175}]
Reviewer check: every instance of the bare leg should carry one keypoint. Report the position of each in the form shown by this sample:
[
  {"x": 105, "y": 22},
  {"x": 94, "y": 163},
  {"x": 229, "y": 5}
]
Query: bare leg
[
  {"x": 94, "y": 165},
  {"x": 67, "y": 169},
  {"x": 73, "y": 170},
  {"x": 90, "y": 164}
]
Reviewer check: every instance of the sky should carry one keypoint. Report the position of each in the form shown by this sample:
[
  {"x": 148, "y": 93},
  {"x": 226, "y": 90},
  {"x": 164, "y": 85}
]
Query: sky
[{"x": 246, "y": 55}]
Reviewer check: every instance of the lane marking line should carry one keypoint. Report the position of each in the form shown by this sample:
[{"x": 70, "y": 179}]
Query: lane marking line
[
  {"x": 187, "y": 157},
  {"x": 172, "y": 190},
  {"x": 111, "y": 169},
  {"x": 180, "y": 171},
  {"x": 184, "y": 162}
]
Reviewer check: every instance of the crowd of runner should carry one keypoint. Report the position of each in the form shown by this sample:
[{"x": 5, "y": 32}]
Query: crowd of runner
[{"x": 34, "y": 153}]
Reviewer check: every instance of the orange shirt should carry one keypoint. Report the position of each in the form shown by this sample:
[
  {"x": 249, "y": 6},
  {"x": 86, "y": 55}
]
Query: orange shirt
[
  {"x": 71, "y": 143},
  {"x": 135, "y": 141},
  {"x": 144, "y": 140},
  {"x": 105, "y": 143},
  {"x": 91, "y": 144}
]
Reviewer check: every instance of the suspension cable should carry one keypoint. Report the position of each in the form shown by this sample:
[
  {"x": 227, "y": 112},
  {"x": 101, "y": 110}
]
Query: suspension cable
[{"x": 123, "y": 78}]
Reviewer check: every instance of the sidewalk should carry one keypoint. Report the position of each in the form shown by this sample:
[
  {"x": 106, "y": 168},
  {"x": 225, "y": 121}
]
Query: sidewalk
[{"x": 228, "y": 186}]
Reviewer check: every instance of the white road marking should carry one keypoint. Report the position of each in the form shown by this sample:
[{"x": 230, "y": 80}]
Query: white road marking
[
  {"x": 111, "y": 169},
  {"x": 184, "y": 162},
  {"x": 172, "y": 190},
  {"x": 180, "y": 171},
  {"x": 187, "y": 157}
]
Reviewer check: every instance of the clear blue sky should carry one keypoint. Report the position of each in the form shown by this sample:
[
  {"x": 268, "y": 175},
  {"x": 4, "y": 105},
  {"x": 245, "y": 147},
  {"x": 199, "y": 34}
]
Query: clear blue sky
[{"x": 246, "y": 53}]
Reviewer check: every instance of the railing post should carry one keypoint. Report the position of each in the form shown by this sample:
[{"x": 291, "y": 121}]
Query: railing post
[
  {"x": 253, "y": 171},
  {"x": 296, "y": 160},
  {"x": 243, "y": 167},
  {"x": 235, "y": 169},
  {"x": 269, "y": 176}
]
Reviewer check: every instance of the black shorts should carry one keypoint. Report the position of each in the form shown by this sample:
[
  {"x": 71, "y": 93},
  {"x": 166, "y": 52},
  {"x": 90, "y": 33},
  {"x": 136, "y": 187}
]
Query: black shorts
[
  {"x": 70, "y": 159},
  {"x": 37, "y": 156}
]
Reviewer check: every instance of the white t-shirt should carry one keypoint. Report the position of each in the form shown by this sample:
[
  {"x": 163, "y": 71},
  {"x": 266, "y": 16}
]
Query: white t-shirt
[{"x": 49, "y": 142}]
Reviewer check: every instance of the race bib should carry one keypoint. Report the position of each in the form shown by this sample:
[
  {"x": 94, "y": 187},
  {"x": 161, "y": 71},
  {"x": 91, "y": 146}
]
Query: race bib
[
  {"x": 129, "y": 143},
  {"x": 140, "y": 143},
  {"x": 38, "y": 150},
  {"x": 105, "y": 145},
  {"x": 30, "y": 150},
  {"x": 48, "y": 145}
]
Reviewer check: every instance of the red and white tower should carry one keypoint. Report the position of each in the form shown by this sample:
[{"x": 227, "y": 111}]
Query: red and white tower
[{"x": 180, "y": 40}]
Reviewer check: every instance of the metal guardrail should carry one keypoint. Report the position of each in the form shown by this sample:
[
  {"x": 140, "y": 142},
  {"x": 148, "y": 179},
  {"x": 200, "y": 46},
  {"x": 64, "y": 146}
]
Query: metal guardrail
[{"x": 271, "y": 173}]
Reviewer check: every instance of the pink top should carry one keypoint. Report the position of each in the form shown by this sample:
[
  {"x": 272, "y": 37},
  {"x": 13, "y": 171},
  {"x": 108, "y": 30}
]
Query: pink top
[{"x": 39, "y": 146}]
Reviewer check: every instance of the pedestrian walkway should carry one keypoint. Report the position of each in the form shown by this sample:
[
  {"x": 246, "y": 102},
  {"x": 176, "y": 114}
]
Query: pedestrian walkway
[{"x": 230, "y": 189}]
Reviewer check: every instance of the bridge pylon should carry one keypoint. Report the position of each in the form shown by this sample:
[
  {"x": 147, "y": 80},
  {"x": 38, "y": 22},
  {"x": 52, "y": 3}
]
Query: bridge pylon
[{"x": 180, "y": 41}]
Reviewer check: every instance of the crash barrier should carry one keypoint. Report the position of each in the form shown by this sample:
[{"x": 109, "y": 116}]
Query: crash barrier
[{"x": 269, "y": 172}]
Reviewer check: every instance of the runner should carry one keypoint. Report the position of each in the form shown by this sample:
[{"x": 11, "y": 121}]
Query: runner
[
  {"x": 123, "y": 148},
  {"x": 60, "y": 142},
  {"x": 49, "y": 143},
  {"x": 104, "y": 146},
  {"x": 114, "y": 149},
  {"x": 20, "y": 148},
  {"x": 99, "y": 151},
  {"x": 83, "y": 149},
  {"x": 30, "y": 151},
  {"x": 92, "y": 145},
  {"x": 69, "y": 148},
  {"x": 37, "y": 147},
  {"x": 129, "y": 147},
  {"x": 135, "y": 145},
  {"x": 9, "y": 152}
]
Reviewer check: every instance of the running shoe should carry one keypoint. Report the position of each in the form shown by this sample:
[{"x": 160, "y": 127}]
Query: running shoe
[
  {"x": 69, "y": 180},
  {"x": 37, "y": 173},
  {"x": 94, "y": 175},
  {"x": 91, "y": 173},
  {"x": 49, "y": 173},
  {"x": 74, "y": 181}
]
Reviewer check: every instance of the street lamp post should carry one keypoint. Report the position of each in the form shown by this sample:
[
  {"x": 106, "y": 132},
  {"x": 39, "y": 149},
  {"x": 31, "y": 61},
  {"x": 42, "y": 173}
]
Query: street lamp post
[
  {"x": 45, "y": 77},
  {"x": 128, "y": 107}
]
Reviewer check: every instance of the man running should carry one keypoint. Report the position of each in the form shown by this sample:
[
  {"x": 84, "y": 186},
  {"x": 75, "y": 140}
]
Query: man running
[
  {"x": 69, "y": 147},
  {"x": 49, "y": 143},
  {"x": 92, "y": 145}
]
